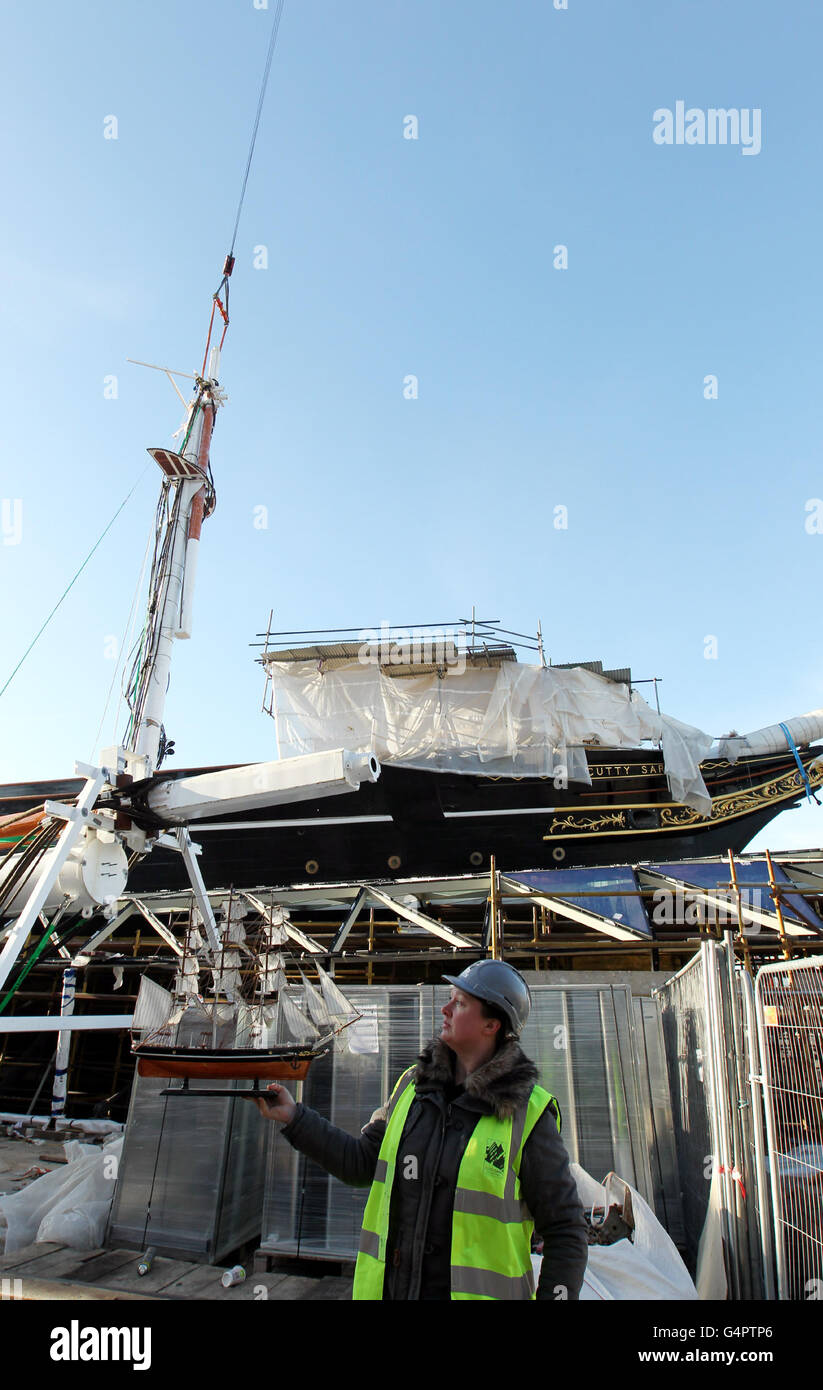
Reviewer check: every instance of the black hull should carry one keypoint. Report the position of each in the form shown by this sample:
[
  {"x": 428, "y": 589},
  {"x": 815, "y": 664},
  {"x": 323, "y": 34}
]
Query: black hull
[{"x": 416, "y": 824}]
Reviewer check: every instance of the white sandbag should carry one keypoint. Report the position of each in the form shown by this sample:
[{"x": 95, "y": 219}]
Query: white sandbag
[
  {"x": 647, "y": 1267},
  {"x": 64, "y": 1190}
]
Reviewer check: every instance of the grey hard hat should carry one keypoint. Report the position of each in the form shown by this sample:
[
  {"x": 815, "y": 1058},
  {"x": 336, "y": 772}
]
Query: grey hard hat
[{"x": 498, "y": 984}]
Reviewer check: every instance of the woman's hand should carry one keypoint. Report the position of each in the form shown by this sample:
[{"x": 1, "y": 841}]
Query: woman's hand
[{"x": 276, "y": 1104}]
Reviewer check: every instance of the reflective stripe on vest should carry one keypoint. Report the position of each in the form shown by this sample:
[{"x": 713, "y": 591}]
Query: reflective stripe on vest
[
  {"x": 371, "y": 1259},
  {"x": 491, "y": 1225}
]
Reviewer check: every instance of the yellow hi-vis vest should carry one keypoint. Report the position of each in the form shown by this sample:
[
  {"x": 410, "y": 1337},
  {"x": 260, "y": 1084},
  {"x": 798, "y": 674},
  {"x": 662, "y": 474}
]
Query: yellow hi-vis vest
[{"x": 491, "y": 1225}]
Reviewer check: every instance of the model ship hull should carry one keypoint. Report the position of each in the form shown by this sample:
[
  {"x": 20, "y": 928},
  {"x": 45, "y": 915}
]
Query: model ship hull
[
  {"x": 193, "y": 1064},
  {"x": 420, "y": 823}
]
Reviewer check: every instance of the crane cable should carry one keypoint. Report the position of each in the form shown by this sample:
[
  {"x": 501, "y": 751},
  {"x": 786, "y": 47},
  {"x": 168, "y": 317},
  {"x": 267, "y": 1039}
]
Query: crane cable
[
  {"x": 228, "y": 265},
  {"x": 263, "y": 86}
]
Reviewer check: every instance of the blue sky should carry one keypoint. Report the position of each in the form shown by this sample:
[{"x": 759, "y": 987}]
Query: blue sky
[{"x": 538, "y": 387}]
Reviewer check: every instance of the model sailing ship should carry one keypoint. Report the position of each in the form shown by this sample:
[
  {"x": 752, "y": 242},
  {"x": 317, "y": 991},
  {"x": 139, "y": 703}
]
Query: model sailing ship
[{"x": 250, "y": 1026}]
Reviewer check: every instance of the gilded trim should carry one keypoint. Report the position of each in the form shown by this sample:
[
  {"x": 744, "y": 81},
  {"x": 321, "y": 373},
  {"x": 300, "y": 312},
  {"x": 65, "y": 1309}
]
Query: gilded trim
[{"x": 675, "y": 817}]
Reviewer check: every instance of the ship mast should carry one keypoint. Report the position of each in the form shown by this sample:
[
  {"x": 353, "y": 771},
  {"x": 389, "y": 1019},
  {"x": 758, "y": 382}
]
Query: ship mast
[{"x": 187, "y": 497}]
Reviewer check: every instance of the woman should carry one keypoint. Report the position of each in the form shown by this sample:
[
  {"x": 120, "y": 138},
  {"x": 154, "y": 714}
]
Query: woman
[{"x": 464, "y": 1160}]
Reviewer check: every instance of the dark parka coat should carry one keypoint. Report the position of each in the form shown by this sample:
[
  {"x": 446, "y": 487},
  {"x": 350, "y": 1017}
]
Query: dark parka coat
[{"x": 437, "y": 1130}]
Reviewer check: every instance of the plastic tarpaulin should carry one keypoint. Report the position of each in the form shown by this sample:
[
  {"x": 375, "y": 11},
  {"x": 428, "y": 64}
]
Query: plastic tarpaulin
[
  {"x": 69, "y": 1205},
  {"x": 647, "y": 1267},
  {"x": 511, "y": 720}
]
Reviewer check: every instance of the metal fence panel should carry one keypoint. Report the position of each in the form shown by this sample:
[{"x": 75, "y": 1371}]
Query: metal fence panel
[
  {"x": 789, "y": 1007},
  {"x": 686, "y": 1036},
  {"x": 656, "y": 1108}
]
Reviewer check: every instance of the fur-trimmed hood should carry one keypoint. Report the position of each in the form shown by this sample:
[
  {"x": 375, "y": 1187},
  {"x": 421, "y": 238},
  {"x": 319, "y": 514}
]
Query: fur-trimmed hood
[{"x": 502, "y": 1084}]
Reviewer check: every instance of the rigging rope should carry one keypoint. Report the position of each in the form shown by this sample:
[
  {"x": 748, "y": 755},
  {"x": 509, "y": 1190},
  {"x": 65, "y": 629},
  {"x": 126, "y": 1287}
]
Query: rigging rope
[
  {"x": 263, "y": 85},
  {"x": 228, "y": 265},
  {"x": 122, "y": 651},
  {"x": 39, "y": 634}
]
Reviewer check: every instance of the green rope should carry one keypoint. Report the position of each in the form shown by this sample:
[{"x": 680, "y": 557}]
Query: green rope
[
  {"x": 32, "y": 960},
  {"x": 39, "y": 634}
]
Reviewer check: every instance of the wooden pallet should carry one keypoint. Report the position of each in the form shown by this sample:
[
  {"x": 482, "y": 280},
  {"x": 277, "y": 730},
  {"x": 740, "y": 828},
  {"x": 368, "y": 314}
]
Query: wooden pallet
[{"x": 49, "y": 1271}]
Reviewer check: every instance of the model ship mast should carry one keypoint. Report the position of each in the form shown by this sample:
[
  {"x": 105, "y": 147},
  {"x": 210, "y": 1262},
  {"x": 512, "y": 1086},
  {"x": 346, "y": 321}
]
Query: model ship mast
[{"x": 249, "y": 1025}]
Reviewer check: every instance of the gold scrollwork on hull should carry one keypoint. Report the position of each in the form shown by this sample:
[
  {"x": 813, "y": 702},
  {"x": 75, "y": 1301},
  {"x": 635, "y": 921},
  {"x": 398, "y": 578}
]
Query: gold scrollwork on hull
[
  {"x": 730, "y": 807},
  {"x": 675, "y": 817},
  {"x": 779, "y": 789},
  {"x": 583, "y": 824}
]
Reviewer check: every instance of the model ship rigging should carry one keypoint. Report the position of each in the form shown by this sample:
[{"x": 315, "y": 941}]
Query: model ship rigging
[{"x": 250, "y": 1027}]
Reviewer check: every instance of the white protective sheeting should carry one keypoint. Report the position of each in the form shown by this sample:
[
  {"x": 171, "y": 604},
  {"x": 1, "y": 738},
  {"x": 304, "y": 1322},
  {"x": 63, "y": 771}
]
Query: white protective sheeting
[
  {"x": 510, "y": 720},
  {"x": 69, "y": 1205},
  {"x": 647, "y": 1267},
  {"x": 805, "y": 728},
  {"x": 712, "y": 1283}
]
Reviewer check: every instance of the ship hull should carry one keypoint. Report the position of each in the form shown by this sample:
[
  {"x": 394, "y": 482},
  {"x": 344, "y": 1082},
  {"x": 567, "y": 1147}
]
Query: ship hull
[
  {"x": 415, "y": 823},
  {"x": 193, "y": 1065}
]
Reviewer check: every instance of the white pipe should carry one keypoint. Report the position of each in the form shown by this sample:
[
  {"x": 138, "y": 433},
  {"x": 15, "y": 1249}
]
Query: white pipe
[
  {"x": 147, "y": 741},
  {"x": 805, "y": 728},
  {"x": 10, "y": 1117},
  {"x": 53, "y": 1023},
  {"x": 183, "y": 799},
  {"x": 189, "y": 579}
]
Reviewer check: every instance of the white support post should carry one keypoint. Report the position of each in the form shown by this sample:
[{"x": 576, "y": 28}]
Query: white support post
[
  {"x": 61, "y": 1064},
  {"x": 353, "y": 914},
  {"x": 75, "y": 826},
  {"x": 419, "y": 919},
  {"x": 162, "y": 930},
  {"x": 201, "y": 897},
  {"x": 103, "y": 934}
]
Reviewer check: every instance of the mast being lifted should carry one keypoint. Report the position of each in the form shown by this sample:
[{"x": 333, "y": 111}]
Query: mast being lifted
[
  {"x": 124, "y": 803},
  {"x": 187, "y": 498}
]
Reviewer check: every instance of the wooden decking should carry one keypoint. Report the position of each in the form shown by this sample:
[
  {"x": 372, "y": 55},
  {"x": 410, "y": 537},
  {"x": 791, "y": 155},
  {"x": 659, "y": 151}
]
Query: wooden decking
[{"x": 49, "y": 1272}]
